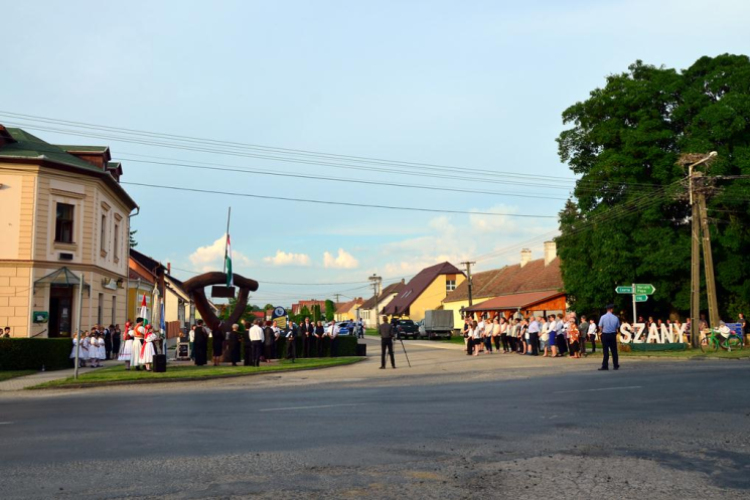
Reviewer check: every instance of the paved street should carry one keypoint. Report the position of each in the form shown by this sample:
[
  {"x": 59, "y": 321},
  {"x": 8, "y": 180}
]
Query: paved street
[{"x": 450, "y": 427}]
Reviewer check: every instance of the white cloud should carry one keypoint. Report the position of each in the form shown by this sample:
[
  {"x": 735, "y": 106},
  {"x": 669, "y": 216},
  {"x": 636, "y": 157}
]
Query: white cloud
[
  {"x": 211, "y": 257},
  {"x": 288, "y": 259},
  {"x": 495, "y": 238},
  {"x": 494, "y": 223},
  {"x": 344, "y": 260}
]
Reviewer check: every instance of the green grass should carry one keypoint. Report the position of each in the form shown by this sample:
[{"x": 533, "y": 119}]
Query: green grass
[
  {"x": 15, "y": 373},
  {"x": 689, "y": 353},
  {"x": 118, "y": 375}
]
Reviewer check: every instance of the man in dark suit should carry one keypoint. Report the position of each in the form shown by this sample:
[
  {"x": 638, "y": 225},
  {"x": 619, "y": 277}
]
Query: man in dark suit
[
  {"x": 307, "y": 331},
  {"x": 290, "y": 336}
]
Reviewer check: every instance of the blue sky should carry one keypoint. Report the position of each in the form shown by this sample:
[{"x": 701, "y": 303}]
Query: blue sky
[{"x": 476, "y": 85}]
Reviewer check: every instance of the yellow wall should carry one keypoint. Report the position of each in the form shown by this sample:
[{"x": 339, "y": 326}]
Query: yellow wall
[
  {"x": 432, "y": 297},
  {"x": 456, "y": 306},
  {"x": 28, "y": 251}
]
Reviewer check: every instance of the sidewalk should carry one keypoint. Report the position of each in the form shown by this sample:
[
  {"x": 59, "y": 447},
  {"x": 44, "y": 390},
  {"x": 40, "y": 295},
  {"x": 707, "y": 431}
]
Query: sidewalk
[{"x": 20, "y": 383}]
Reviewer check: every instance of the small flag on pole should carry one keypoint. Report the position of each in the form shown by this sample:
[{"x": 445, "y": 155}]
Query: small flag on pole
[
  {"x": 228, "y": 263},
  {"x": 144, "y": 311}
]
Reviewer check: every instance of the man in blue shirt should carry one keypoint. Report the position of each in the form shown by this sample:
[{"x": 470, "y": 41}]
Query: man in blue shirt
[{"x": 609, "y": 325}]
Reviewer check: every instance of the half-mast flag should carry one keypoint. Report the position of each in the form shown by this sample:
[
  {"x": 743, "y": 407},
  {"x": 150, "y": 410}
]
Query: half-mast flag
[{"x": 228, "y": 262}]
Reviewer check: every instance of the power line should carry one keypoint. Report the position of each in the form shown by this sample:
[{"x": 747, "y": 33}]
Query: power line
[
  {"x": 289, "y": 151},
  {"x": 341, "y": 203},
  {"x": 581, "y": 184}
]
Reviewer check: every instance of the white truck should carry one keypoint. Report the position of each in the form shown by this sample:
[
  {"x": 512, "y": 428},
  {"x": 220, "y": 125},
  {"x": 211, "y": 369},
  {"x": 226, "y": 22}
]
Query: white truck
[{"x": 437, "y": 324}]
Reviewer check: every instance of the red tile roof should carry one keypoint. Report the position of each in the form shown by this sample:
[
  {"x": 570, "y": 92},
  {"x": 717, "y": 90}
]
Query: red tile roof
[
  {"x": 387, "y": 291},
  {"x": 345, "y": 307},
  {"x": 533, "y": 277},
  {"x": 418, "y": 284},
  {"x": 515, "y": 301}
]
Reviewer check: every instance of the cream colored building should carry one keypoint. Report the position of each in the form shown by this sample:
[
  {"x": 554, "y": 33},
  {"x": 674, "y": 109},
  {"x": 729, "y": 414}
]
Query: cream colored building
[{"x": 63, "y": 214}]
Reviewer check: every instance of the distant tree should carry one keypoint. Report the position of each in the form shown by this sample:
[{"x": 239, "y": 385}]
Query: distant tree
[
  {"x": 330, "y": 310},
  {"x": 316, "y": 316},
  {"x": 133, "y": 242},
  {"x": 625, "y": 223}
]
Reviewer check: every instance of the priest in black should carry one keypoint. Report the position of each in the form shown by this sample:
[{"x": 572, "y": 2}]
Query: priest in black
[
  {"x": 200, "y": 344},
  {"x": 307, "y": 331}
]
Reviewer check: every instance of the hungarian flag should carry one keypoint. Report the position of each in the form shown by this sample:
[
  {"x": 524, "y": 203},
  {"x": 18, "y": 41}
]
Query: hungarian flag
[
  {"x": 144, "y": 311},
  {"x": 228, "y": 262}
]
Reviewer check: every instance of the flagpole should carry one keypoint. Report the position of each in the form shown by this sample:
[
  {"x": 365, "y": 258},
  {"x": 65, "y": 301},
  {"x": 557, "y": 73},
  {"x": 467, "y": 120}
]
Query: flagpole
[{"x": 226, "y": 240}]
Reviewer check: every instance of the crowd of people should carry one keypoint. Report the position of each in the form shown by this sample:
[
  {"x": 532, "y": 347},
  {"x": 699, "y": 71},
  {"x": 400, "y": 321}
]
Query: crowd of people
[
  {"x": 260, "y": 341},
  {"x": 97, "y": 344},
  {"x": 551, "y": 336}
]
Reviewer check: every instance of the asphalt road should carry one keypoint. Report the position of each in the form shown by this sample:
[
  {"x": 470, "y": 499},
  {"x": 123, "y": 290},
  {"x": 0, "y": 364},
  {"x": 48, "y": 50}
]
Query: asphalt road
[{"x": 500, "y": 426}]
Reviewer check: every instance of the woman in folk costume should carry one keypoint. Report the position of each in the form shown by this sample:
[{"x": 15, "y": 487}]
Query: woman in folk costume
[
  {"x": 147, "y": 350},
  {"x": 101, "y": 348},
  {"x": 138, "y": 334},
  {"x": 75, "y": 346},
  {"x": 126, "y": 348},
  {"x": 85, "y": 341},
  {"x": 94, "y": 350}
]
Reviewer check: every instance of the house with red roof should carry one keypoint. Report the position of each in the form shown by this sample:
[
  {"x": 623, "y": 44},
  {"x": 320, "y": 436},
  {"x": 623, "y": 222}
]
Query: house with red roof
[{"x": 425, "y": 291}]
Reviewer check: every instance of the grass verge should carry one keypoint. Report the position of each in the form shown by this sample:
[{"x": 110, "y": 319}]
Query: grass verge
[
  {"x": 689, "y": 354},
  {"x": 15, "y": 373},
  {"x": 117, "y": 375}
]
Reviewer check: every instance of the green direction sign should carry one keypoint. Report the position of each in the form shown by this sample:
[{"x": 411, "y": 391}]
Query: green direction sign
[
  {"x": 641, "y": 298},
  {"x": 644, "y": 289},
  {"x": 624, "y": 289}
]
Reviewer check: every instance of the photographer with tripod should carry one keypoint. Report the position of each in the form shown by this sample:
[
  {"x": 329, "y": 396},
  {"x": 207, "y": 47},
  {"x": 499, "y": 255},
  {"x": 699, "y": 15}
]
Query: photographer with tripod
[{"x": 386, "y": 342}]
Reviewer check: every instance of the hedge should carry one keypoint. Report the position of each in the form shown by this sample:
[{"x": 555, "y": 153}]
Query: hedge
[
  {"x": 32, "y": 354},
  {"x": 347, "y": 347}
]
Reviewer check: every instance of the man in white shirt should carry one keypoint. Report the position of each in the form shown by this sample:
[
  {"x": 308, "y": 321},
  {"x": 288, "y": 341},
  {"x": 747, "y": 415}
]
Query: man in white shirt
[
  {"x": 592, "y": 334},
  {"x": 256, "y": 341},
  {"x": 333, "y": 333},
  {"x": 191, "y": 341}
]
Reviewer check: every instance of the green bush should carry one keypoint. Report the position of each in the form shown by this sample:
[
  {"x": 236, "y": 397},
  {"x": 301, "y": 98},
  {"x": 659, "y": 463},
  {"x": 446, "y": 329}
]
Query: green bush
[
  {"x": 347, "y": 347},
  {"x": 32, "y": 354}
]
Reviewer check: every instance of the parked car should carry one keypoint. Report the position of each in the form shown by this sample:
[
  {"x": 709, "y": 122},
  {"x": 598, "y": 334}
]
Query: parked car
[
  {"x": 406, "y": 328},
  {"x": 345, "y": 327}
]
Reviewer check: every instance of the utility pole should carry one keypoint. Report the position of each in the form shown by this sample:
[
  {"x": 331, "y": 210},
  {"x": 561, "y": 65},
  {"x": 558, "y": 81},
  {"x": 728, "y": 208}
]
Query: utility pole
[
  {"x": 708, "y": 260},
  {"x": 699, "y": 224},
  {"x": 468, "y": 265},
  {"x": 376, "y": 281},
  {"x": 695, "y": 273}
]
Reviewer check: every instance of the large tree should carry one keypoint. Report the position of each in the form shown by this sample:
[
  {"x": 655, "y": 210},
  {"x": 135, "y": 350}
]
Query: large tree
[{"x": 626, "y": 222}]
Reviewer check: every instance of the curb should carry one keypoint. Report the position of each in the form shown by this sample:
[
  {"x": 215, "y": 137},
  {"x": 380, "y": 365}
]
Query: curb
[{"x": 93, "y": 385}]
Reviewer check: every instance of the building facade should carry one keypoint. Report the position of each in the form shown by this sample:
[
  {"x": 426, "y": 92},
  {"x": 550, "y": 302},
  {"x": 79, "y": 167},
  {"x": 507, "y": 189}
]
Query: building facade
[
  {"x": 425, "y": 291},
  {"x": 529, "y": 287},
  {"x": 63, "y": 216}
]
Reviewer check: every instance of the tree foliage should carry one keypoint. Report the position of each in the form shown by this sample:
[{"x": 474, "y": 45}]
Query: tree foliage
[
  {"x": 330, "y": 310},
  {"x": 133, "y": 242},
  {"x": 626, "y": 223}
]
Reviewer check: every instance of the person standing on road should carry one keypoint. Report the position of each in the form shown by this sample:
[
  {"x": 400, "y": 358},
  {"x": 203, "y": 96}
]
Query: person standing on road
[
  {"x": 257, "y": 337},
  {"x": 609, "y": 324},
  {"x": 386, "y": 343}
]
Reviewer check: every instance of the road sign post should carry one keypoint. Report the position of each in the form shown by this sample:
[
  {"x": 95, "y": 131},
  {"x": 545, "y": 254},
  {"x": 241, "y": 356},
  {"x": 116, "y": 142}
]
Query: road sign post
[{"x": 640, "y": 293}]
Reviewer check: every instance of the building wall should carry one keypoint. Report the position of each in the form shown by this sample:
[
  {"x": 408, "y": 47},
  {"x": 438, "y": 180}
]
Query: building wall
[
  {"x": 456, "y": 306},
  {"x": 432, "y": 297},
  {"x": 28, "y": 250}
]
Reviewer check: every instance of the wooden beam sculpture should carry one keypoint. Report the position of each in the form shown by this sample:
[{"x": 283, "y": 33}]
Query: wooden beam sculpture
[{"x": 195, "y": 288}]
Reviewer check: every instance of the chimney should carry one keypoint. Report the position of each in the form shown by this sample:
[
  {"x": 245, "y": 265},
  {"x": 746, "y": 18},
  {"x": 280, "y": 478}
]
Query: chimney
[
  {"x": 550, "y": 252},
  {"x": 525, "y": 256}
]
